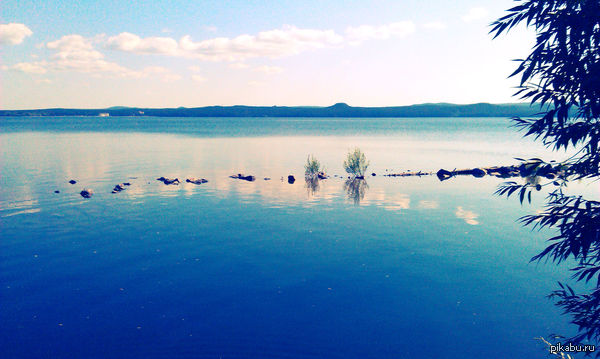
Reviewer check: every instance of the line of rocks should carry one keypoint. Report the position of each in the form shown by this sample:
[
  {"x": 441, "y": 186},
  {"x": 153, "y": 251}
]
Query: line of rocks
[
  {"x": 526, "y": 169},
  {"x": 523, "y": 170}
]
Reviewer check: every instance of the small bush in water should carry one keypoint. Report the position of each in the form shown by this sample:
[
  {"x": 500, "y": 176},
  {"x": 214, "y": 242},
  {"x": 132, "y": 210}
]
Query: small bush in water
[
  {"x": 312, "y": 166},
  {"x": 356, "y": 163}
]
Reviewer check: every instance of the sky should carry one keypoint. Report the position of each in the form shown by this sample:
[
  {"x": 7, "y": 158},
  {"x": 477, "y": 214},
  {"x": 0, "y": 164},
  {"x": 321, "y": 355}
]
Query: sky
[{"x": 97, "y": 54}]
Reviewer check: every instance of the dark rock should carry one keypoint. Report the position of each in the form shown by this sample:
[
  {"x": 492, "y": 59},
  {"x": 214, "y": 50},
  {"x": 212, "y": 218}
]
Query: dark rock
[
  {"x": 72, "y": 181},
  {"x": 243, "y": 177},
  {"x": 118, "y": 188},
  {"x": 126, "y": 184},
  {"x": 321, "y": 175},
  {"x": 443, "y": 175},
  {"x": 373, "y": 174},
  {"x": 360, "y": 177},
  {"x": 57, "y": 191},
  {"x": 291, "y": 179},
  {"x": 478, "y": 172},
  {"x": 169, "y": 181},
  {"x": 502, "y": 171},
  {"x": 267, "y": 179},
  {"x": 86, "y": 193},
  {"x": 527, "y": 169},
  {"x": 196, "y": 180}
]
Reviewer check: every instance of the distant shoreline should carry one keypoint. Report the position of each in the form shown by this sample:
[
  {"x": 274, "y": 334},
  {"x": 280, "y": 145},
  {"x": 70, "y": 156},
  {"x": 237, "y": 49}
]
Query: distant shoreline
[{"x": 337, "y": 110}]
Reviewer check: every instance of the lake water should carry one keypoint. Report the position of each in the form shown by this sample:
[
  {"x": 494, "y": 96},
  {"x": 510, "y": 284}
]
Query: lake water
[{"x": 410, "y": 268}]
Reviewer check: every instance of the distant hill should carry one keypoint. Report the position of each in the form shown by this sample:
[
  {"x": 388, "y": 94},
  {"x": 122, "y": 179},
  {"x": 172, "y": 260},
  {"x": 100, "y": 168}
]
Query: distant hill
[{"x": 337, "y": 110}]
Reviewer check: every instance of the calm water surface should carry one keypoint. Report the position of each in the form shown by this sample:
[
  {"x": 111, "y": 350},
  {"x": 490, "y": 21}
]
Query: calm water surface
[{"x": 412, "y": 267}]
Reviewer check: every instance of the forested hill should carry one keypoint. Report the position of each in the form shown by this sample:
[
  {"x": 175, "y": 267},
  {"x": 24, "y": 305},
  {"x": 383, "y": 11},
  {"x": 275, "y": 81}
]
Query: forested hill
[{"x": 337, "y": 110}]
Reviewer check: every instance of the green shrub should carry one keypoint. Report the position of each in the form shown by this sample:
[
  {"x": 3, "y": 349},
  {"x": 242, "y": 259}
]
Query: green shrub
[
  {"x": 356, "y": 163},
  {"x": 312, "y": 167}
]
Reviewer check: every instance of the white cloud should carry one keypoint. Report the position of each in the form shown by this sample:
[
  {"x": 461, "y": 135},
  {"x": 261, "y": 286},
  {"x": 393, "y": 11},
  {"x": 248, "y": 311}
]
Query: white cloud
[
  {"x": 128, "y": 42},
  {"x": 256, "y": 83},
  {"x": 77, "y": 53},
  {"x": 357, "y": 35},
  {"x": 13, "y": 33},
  {"x": 288, "y": 40},
  {"x": 270, "y": 70},
  {"x": 239, "y": 65},
  {"x": 434, "y": 25},
  {"x": 474, "y": 14},
  {"x": 198, "y": 78},
  {"x": 29, "y": 67}
]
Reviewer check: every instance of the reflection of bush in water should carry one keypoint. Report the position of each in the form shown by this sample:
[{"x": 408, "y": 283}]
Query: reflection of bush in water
[
  {"x": 356, "y": 189},
  {"x": 312, "y": 184}
]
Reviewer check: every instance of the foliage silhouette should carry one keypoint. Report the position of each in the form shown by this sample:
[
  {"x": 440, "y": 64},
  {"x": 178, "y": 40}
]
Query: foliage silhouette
[
  {"x": 312, "y": 167},
  {"x": 561, "y": 77},
  {"x": 356, "y": 163}
]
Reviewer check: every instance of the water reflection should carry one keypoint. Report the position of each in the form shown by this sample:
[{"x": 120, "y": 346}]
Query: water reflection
[
  {"x": 469, "y": 217},
  {"x": 311, "y": 184},
  {"x": 355, "y": 189}
]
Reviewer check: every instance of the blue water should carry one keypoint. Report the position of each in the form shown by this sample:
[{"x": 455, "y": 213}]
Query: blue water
[{"x": 232, "y": 269}]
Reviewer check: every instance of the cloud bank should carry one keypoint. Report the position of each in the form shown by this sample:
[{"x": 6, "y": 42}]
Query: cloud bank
[{"x": 13, "y": 33}]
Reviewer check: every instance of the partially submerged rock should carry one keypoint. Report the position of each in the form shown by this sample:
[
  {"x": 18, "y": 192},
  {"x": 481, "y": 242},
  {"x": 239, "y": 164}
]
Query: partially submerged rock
[
  {"x": 243, "y": 177},
  {"x": 86, "y": 193},
  {"x": 72, "y": 181},
  {"x": 321, "y": 175},
  {"x": 503, "y": 171},
  {"x": 57, "y": 191},
  {"x": 291, "y": 179},
  {"x": 443, "y": 174},
  {"x": 196, "y": 180},
  {"x": 169, "y": 181},
  {"x": 120, "y": 187},
  {"x": 407, "y": 174}
]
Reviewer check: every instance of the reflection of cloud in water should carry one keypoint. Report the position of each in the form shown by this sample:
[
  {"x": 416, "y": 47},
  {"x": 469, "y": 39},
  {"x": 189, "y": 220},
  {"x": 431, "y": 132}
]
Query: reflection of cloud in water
[
  {"x": 390, "y": 201},
  {"x": 429, "y": 204},
  {"x": 469, "y": 216}
]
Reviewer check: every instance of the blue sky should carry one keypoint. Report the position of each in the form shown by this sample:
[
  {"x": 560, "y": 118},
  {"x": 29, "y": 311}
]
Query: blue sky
[{"x": 94, "y": 54}]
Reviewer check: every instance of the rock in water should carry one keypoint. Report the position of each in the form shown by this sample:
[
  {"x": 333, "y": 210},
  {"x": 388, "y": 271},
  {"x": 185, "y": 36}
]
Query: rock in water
[
  {"x": 443, "y": 175},
  {"x": 86, "y": 193},
  {"x": 169, "y": 181},
  {"x": 72, "y": 181},
  {"x": 196, "y": 180},
  {"x": 57, "y": 191},
  {"x": 118, "y": 188},
  {"x": 245, "y": 178},
  {"x": 478, "y": 172},
  {"x": 291, "y": 179}
]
